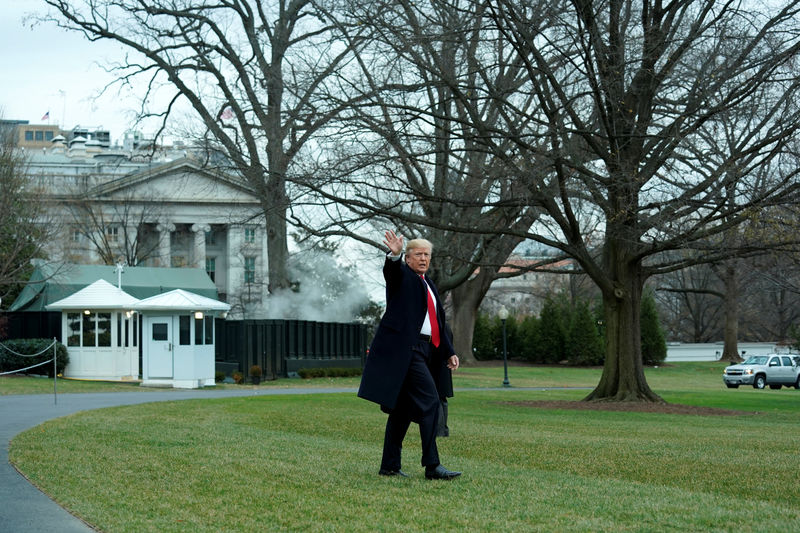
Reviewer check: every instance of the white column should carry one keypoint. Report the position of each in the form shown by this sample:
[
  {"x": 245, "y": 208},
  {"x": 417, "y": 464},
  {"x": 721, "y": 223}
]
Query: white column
[
  {"x": 199, "y": 253},
  {"x": 234, "y": 259},
  {"x": 165, "y": 230}
]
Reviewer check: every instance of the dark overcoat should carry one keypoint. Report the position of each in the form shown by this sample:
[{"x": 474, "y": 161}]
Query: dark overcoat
[{"x": 390, "y": 352}]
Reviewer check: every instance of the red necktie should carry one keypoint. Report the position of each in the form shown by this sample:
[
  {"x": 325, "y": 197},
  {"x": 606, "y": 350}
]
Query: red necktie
[{"x": 432, "y": 315}]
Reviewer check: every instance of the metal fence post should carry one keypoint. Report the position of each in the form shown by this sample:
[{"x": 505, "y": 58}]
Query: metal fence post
[{"x": 55, "y": 372}]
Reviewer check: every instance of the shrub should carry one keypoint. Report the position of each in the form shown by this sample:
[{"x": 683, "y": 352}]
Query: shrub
[
  {"x": 219, "y": 376},
  {"x": 10, "y": 362},
  {"x": 552, "y": 332},
  {"x": 238, "y": 377},
  {"x": 528, "y": 332},
  {"x": 654, "y": 347},
  {"x": 483, "y": 339},
  {"x": 332, "y": 372},
  {"x": 584, "y": 343},
  {"x": 255, "y": 371}
]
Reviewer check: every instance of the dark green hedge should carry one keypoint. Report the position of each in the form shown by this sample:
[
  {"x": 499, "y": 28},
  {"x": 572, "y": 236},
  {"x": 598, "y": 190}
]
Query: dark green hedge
[
  {"x": 334, "y": 372},
  {"x": 10, "y": 362},
  {"x": 564, "y": 332}
]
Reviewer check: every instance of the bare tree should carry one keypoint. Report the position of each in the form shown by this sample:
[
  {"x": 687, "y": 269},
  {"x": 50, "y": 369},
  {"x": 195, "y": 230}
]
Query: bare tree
[
  {"x": 249, "y": 70},
  {"x": 115, "y": 227},
  {"x": 407, "y": 155},
  {"x": 626, "y": 96},
  {"x": 24, "y": 226},
  {"x": 689, "y": 304}
]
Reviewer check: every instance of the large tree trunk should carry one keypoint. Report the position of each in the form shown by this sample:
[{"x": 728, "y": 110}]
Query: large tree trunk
[
  {"x": 277, "y": 250},
  {"x": 730, "y": 280},
  {"x": 466, "y": 299},
  {"x": 623, "y": 372}
]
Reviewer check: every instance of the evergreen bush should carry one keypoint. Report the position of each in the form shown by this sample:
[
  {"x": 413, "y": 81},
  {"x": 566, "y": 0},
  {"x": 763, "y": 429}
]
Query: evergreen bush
[
  {"x": 584, "y": 343},
  {"x": 552, "y": 332},
  {"x": 10, "y": 362},
  {"x": 484, "y": 339},
  {"x": 654, "y": 347}
]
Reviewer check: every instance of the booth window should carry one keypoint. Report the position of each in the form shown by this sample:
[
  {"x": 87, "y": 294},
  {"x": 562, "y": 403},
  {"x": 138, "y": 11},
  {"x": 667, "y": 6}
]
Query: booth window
[
  {"x": 73, "y": 329},
  {"x": 198, "y": 331},
  {"x": 160, "y": 332},
  {"x": 185, "y": 330},
  {"x": 104, "y": 329},
  {"x": 209, "y": 329},
  {"x": 89, "y": 330}
]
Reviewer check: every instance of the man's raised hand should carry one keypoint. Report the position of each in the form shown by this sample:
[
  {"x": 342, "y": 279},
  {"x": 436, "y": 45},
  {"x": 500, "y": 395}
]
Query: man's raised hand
[{"x": 393, "y": 242}]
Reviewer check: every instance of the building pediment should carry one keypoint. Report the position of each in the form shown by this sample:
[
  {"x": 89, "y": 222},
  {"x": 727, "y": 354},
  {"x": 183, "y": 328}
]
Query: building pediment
[{"x": 182, "y": 180}]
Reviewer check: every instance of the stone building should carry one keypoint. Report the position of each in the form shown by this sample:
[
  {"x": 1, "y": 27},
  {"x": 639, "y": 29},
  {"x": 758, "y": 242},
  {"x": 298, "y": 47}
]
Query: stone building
[
  {"x": 156, "y": 208},
  {"x": 525, "y": 292}
]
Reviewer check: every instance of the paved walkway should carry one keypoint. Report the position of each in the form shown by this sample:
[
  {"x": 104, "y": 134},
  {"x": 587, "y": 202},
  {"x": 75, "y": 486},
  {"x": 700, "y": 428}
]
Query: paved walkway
[{"x": 23, "y": 507}]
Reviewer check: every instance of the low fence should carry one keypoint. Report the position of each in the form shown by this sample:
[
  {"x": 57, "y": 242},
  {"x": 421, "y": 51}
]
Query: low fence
[
  {"x": 712, "y": 351},
  {"x": 282, "y": 347}
]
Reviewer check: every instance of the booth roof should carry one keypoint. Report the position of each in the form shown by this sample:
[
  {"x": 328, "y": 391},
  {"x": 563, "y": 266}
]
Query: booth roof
[
  {"x": 180, "y": 300},
  {"x": 50, "y": 283},
  {"x": 99, "y": 295}
]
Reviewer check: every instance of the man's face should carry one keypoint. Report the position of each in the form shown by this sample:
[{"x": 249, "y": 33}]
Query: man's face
[{"x": 419, "y": 259}]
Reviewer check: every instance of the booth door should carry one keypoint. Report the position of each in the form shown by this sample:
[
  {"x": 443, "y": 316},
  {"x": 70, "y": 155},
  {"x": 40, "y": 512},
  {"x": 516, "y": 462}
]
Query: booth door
[{"x": 161, "y": 347}]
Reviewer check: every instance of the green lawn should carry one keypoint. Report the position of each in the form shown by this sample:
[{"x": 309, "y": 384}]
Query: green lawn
[{"x": 309, "y": 463}]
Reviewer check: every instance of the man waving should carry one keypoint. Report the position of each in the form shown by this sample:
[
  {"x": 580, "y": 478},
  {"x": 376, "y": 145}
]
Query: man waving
[{"x": 404, "y": 369}]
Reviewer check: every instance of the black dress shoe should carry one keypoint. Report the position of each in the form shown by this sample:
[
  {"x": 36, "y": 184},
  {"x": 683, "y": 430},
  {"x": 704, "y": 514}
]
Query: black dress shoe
[
  {"x": 385, "y": 472},
  {"x": 441, "y": 472}
]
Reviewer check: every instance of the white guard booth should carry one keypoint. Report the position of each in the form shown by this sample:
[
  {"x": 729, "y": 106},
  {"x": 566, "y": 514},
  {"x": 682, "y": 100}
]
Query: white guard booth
[
  {"x": 99, "y": 328},
  {"x": 178, "y": 339}
]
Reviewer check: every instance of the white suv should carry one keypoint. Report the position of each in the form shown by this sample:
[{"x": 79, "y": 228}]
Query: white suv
[{"x": 775, "y": 370}]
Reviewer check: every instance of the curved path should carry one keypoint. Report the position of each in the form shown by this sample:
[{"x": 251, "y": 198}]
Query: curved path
[{"x": 24, "y": 508}]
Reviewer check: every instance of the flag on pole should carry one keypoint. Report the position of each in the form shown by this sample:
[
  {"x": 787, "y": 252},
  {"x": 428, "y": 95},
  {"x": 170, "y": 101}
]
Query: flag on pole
[{"x": 46, "y": 116}]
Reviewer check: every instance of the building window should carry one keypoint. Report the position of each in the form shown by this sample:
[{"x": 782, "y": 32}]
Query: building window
[
  {"x": 211, "y": 268},
  {"x": 211, "y": 238},
  {"x": 250, "y": 235},
  {"x": 76, "y": 235},
  {"x": 48, "y": 136},
  {"x": 112, "y": 233},
  {"x": 39, "y": 135},
  {"x": 28, "y": 135},
  {"x": 249, "y": 269}
]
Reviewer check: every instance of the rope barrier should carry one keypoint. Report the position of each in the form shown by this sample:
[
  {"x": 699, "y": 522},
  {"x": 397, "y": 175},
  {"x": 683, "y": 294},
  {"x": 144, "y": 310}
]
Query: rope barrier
[
  {"x": 26, "y": 368},
  {"x": 54, "y": 360},
  {"x": 9, "y": 350}
]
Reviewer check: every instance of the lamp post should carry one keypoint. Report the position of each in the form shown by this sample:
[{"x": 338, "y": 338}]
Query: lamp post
[{"x": 503, "y": 314}]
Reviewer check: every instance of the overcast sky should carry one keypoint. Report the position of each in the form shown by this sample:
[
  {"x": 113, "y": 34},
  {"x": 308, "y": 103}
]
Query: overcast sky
[{"x": 47, "y": 69}]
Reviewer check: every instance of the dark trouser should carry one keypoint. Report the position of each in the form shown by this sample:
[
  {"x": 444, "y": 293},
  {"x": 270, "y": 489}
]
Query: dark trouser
[{"x": 418, "y": 402}]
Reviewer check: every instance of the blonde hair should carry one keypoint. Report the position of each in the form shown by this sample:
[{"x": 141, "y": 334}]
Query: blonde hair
[{"x": 419, "y": 243}]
